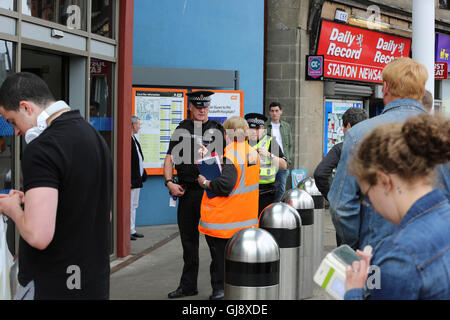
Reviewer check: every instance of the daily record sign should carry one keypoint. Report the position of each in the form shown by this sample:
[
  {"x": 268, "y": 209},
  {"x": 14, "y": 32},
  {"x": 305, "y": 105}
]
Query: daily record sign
[{"x": 353, "y": 53}]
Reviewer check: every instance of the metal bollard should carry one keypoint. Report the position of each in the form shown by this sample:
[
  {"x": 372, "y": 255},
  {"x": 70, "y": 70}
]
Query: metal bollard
[
  {"x": 309, "y": 185},
  {"x": 284, "y": 224},
  {"x": 252, "y": 266},
  {"x": 304, "y": 204}
]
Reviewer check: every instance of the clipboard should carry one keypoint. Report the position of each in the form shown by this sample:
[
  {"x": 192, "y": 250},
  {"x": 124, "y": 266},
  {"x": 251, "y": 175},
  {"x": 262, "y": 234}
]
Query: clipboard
[{"x": 211, "y": 169}]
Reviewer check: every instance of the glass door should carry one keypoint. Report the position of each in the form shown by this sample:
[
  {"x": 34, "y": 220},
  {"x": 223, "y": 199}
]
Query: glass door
[
  {"x": 101, "y": 108},
  {"x": 51, "y": 67},
  {"x": 7, "y": 145}
]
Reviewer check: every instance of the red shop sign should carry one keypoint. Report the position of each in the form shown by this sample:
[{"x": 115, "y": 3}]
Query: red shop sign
[
  {"x": 353, "y": 53},
  {"x": 99, "y": 67},
  {"x": 440, "y": 70}
]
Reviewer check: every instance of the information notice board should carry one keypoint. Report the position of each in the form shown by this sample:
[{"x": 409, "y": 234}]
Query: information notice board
[
  {"x": 160, "y": 112},
  {"x": 225, "y": 104}
]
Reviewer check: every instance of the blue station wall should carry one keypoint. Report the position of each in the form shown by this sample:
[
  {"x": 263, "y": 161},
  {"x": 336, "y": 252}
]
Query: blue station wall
[{"x": 199, "y": 34}]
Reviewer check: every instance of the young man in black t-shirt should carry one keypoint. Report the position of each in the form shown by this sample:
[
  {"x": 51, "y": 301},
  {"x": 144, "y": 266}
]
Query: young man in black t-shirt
[{"x": 68, "y": 179}]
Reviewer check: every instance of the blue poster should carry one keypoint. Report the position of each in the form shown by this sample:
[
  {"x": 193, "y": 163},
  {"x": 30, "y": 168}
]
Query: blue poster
[{"x": 333, "y": 127}]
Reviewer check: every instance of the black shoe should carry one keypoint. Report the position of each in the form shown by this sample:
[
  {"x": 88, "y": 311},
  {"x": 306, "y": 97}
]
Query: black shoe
[
  {"x": 132, "y": 238},
  {"x": 137, "y": 235},
  {"x": 217, "y": 295},
  {"x": 180, "y": 293}
]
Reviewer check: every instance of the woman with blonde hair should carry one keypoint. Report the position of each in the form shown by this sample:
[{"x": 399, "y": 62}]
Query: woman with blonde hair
[
  {"x": 234, "y": 205},
  {"x": 394, "y": 166}
]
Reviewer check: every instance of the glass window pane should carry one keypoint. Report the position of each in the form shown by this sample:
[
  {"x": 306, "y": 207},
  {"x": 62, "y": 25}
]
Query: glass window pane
[
  {"x": 101, "y": 112},
  {"x": 8, "y": 4},
  {"x": 7, "y": 63},
  {"x": 102, "y": 18},
  {"x": 70, "y": 13},
  {"x": 6, "y": 129},
  {"x": 101, "y": 106}
]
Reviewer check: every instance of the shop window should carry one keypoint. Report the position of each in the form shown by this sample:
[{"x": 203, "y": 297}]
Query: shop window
[
  {"x": 8, "y": 4},
  {"x": 444, "y": 4},
  {"x": 70, "y": 13},
  {"x": 6, "y": 129},
  {"x": 102, "y": 18},
  {"x": 7, "y": 145},
  {"x": 101, "y": 113}
]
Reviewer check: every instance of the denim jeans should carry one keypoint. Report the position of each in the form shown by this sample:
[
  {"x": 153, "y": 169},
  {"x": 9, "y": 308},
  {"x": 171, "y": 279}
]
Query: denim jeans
[{"x": 281, "y": 179}]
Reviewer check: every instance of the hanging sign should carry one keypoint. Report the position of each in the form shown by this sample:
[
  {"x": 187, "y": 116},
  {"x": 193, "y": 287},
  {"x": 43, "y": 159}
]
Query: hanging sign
[
  {"x": 353, "y": 53},
  {"x": 442, "y": 51},
  {"x": 314, "y": 67}
]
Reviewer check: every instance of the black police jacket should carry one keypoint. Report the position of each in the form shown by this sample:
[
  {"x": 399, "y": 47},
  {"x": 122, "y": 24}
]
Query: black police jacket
[{"x": 211, "y": 133}]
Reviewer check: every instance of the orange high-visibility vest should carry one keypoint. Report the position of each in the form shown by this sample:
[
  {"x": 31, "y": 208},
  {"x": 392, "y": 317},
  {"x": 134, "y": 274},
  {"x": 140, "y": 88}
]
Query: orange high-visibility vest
[{"x": 222, "y": 217}]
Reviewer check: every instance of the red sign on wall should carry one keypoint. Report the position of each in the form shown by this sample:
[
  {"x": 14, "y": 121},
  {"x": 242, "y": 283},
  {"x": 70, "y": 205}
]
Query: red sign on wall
[
  {"x": 353, "y": 53},
  {"x": 99, "y": 67},
  {"x": 440, "y": 70}
]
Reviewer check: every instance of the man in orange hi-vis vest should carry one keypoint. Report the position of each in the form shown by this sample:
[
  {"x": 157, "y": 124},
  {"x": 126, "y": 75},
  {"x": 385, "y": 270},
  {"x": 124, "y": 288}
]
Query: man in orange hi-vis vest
[{"x": 234, "y": 205}]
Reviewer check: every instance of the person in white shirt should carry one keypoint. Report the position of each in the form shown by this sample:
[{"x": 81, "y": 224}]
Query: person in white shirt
[
  {"x": 281, "y": 130},
  {"x": 138, "y": 175}
]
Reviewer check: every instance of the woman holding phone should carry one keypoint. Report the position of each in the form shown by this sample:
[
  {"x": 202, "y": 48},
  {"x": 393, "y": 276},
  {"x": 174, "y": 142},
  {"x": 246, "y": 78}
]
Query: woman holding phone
[{"x": 394, "y": 166}]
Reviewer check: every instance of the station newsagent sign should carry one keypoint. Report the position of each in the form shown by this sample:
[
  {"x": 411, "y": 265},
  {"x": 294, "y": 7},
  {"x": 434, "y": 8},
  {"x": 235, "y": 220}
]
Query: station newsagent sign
[{"x": 353, "y": 53}]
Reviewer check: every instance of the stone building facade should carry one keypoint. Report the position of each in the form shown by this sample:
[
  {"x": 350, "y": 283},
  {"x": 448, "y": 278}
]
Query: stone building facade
[{"x": 292, "y": 32}]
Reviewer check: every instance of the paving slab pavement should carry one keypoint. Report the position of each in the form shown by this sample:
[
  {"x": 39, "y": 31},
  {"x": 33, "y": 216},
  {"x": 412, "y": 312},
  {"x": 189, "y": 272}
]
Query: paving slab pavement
[{"x": 154, "y": 267}]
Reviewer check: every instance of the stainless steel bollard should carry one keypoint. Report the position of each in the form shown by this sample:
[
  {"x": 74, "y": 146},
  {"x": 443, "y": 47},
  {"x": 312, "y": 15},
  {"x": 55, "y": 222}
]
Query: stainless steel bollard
[
  {"x": 284, "y": 224},
  {"x": 309, "y": 185},
  {"x": 304, "y": 204},
  {"x": 252, "y": 266}
]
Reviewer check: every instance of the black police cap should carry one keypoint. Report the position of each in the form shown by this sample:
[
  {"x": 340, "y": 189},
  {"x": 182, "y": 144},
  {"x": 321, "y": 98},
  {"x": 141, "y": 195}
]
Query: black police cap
[
  {"x": 255, "y": 120},
  {"x": 200, "y": 99}
]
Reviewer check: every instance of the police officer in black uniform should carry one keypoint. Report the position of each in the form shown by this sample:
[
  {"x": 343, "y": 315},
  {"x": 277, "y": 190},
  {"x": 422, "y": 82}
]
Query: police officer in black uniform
[{"x": 191, "y": 140}]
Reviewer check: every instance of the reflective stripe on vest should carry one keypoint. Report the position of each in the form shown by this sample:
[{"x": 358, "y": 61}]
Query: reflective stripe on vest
[
  {"x": 268, "y": 170},
  {"x": 241, "y": 184},
  {"x": 228, "y": 226}
]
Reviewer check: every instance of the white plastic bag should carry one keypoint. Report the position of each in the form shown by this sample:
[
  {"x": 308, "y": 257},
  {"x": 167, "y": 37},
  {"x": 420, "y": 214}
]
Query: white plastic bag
[{"x": 6, "y": 262}]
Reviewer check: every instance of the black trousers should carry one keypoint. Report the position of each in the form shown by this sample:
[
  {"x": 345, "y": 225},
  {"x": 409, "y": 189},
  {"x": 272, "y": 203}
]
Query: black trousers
[
  {"x": 217, "y": 266},
  {"x": 188, "y": 219},
  {"x": 267, "y": 194}
]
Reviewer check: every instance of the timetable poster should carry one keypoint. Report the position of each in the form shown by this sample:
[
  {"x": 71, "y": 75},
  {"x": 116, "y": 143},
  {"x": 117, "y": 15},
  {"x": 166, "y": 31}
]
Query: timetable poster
[
  {"x": 160, "y": 112},
  {"x": 334, "y": 128}
]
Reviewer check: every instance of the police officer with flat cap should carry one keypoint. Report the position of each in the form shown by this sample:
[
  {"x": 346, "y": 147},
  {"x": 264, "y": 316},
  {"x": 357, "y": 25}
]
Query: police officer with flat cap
[
  {"x": 193, "y": 139},
  {"x": 271, "y": 158}
]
